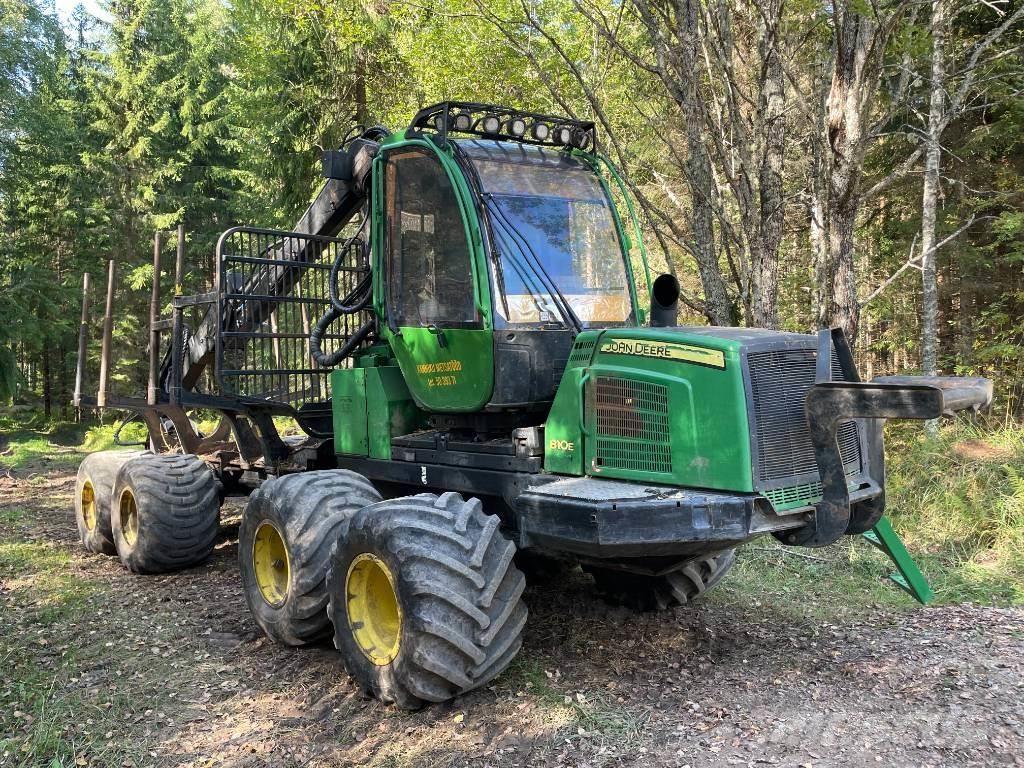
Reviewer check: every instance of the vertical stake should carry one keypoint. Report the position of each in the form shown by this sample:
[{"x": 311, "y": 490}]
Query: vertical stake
[
  {"x": 154, "y": 334},
  {"x": 177, "y": 343},
  {"x": 83, "y": 343},
  {"x": 108, "y": 330}
]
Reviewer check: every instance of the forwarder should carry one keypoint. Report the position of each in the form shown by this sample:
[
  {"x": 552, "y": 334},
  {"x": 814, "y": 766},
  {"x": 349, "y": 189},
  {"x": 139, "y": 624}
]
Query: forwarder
[{"x": 461, "y": 328}]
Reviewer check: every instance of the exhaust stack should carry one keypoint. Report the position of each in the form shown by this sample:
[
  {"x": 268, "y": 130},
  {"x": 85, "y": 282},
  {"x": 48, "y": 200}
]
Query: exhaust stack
[{"x": 664, "y": 301}]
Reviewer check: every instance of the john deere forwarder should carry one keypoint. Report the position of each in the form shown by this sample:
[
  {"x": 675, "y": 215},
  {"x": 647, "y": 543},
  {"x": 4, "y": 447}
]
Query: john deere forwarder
[{"x": 477, "y": 374}]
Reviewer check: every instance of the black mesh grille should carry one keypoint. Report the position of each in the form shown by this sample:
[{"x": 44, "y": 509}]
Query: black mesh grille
[
  {"x": 632, "y": 425},
  {"x": 779, "y": 382}
]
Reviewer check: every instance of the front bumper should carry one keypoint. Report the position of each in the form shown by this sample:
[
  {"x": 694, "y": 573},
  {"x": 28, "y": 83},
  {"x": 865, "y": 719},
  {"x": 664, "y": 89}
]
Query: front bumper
[{"x": 604, "y": 518}]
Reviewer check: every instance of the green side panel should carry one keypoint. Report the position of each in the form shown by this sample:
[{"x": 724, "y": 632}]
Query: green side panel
[
  {"x": 456, "y": 377},
  {"x": 667, "y": 407},
  {"x": 348, "y": 403},
  {"x": 390, "y": 410},
  {"x": 563, "y": 437}
]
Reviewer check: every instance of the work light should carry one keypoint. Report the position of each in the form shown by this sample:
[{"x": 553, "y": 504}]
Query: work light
[
  {"x": 440, "y": 120},
  {"x": 517, "y": 127},
  {"x": 540, "y": 131},
  {"x": 463, "y": 121},
  {"x": 563, "y": 135},
  {"x": 491, "y": 124},
  {"x": 580, "y": 138}
]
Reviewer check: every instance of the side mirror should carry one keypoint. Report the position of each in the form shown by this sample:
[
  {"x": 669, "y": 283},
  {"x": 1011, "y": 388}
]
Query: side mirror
[{"x": 664, "y": 301}]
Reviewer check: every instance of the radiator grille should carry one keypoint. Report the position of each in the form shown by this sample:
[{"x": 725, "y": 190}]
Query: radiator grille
[
  {"x": 779, "y": 382},
  {"x": 632, "y": 425}
]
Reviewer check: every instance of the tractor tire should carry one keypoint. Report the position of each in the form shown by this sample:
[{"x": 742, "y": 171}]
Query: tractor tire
[
  {"x": 288, "y": 530},
  {"x": 165, "y": 512},
  {"x": 425, "y": 599},
  {"x": 658, "y": 593},
  {"x": 94, "y": 490}
]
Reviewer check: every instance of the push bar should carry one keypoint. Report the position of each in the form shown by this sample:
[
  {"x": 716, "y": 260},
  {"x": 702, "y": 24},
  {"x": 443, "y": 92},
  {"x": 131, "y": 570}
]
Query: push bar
[{"x": 829, "y": 403}]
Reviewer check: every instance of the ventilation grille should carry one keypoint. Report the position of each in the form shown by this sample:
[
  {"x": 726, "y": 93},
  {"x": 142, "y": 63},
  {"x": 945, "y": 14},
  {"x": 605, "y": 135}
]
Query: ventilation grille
[
  {"x": 779, "y": 382},
  {"x": 632, "y": 425},
  {"x": 581, "y": 352}
]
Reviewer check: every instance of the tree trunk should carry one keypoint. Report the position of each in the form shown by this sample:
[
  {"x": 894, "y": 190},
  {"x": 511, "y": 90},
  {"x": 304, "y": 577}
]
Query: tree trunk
[
  {"x": 698, "y": 171},
  {"x": 846, "y": 129},
  {"x": 772, "y": 204},
  {"x": 930, "y": 194}
]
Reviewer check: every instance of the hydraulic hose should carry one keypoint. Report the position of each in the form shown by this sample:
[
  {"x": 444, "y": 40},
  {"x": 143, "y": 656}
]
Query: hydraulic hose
[{"x": 346, "y": 349}]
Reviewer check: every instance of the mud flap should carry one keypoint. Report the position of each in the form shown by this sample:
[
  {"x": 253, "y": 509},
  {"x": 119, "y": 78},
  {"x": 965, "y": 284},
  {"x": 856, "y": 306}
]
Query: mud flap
[{"x": 829, "y": 403}]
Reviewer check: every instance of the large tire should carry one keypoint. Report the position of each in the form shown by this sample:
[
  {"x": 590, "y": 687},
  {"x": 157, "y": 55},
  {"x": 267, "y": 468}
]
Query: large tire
[
  {"x": 658, "y": 593},
  {"x": 425, "y": 598},
  {"x": 165, "y": 512},
  {"x": 288, "y": 530},
  {"x": 94, "y": 490}
]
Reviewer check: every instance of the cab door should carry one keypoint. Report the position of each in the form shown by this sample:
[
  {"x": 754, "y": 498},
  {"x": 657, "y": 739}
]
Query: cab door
[{"x": 433, "y": 303}]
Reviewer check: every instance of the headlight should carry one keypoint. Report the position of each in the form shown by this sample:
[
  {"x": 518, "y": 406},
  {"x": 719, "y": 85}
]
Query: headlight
[
  {"x": 540, "y": 131},
  {"x": 463, "y": 121},
  {"x": 563, "y": 135},
  {"x": 517, "y": 127}
]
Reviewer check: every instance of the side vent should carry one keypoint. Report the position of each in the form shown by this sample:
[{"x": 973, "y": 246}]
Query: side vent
[
  {"x": 581, "y": 353},
  {"x": 632, "y": 425}
]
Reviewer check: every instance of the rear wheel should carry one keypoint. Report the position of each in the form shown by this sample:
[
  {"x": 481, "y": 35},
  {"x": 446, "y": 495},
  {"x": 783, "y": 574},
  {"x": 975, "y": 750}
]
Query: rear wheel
[
  {"x": 94, "y": 490},
  {"x": 165, "y": 512},
  {"x": 425, "y": 599},
  {"x": 288, "y": 530},
  {"x": 657, "y": 593}
]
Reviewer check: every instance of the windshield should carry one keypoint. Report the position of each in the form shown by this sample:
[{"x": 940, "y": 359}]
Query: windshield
[{"x": 555, "y": 234}]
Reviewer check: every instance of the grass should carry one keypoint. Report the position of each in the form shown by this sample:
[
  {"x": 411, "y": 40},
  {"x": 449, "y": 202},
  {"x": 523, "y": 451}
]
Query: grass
[
  {"x": 956, "y": 500},
  {"x": 29, "y": 440}
]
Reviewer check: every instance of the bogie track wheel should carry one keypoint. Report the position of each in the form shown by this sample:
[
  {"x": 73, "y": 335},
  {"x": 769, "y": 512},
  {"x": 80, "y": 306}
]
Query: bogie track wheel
[
  {"x": 94, "y": 489},
  {"x": 165, "y": 512},
  {"x": 683, "y": 585},
  {"x": 425, "y": 598},
  {"x": 288, "y": 530}
]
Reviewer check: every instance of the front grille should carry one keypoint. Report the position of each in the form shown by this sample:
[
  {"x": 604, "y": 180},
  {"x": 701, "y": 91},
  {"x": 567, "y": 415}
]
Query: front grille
[
  {"x": 632, "y": 425},
  {"x": 779, "y": 381}
]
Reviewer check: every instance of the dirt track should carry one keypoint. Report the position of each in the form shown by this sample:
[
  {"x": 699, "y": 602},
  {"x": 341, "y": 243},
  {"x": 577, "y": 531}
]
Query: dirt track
[{"x": 170, "y": 671}]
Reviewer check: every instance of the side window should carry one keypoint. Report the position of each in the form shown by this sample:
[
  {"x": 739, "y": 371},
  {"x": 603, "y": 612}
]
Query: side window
[{"x": 429, "y": 274}]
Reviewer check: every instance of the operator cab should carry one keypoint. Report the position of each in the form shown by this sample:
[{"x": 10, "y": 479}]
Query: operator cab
[{"x": 497, "y": 251}]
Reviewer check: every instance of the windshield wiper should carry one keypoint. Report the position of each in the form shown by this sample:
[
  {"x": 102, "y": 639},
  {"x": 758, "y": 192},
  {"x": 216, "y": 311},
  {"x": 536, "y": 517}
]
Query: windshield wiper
[
  {"x": 536, "y": 293},
  {"x": 533, "y": 262}
]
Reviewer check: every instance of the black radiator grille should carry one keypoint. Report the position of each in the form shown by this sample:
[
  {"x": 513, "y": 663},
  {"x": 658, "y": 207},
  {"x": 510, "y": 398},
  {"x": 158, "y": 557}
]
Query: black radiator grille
[
  {"x": 632, "y": 425},
  {"x": 779, "y": 381}
]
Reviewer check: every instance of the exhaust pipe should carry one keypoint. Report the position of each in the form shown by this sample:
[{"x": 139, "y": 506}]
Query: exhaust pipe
[{"x": 664, "y": 301}]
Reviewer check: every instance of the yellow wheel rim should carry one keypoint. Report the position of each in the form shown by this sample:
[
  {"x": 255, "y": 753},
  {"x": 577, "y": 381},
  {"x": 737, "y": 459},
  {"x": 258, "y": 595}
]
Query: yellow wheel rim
[
  {"x": 374, "y": 615},
  {"x": 270, "y": 564},
  {"x": 89, "y": 506},
  {"x": 129, "y": 512}
]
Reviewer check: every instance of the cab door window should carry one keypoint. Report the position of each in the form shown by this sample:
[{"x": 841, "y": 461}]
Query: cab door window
[{"x": 430, "y": 279}]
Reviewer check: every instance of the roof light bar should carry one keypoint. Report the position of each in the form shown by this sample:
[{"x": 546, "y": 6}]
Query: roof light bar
[{"x": 504, "y": 123}]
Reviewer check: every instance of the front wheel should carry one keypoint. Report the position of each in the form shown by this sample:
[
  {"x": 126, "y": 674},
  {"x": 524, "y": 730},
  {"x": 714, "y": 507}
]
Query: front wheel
[
  {"x": 284, "y": 546},
  {"x": 425, "y": 599},
  {"x": 658, "y": 593}
]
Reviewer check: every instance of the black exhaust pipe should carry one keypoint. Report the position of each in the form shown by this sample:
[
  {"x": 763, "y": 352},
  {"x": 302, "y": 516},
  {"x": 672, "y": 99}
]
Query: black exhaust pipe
[{"x": 664, "y": 301}]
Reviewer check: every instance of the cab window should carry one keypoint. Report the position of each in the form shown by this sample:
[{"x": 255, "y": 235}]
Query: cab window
[{"x": 430, "y": 278}]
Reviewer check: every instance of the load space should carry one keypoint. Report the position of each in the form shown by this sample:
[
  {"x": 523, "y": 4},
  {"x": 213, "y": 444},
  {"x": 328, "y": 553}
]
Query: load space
[{"x": 488, "y": 381}]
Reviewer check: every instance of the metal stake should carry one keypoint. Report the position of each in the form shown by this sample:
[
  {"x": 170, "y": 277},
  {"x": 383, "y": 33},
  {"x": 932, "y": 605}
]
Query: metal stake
[
  {"x": 154, "y": 333},
  {"x": 83, "y": 342},
  {"x": 176, "y": 322},
  {"x": 108, "y": 330}
]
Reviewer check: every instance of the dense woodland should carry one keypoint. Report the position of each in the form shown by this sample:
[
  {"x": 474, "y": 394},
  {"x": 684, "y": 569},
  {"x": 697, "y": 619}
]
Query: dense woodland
[{"x": 796, "y": 164}]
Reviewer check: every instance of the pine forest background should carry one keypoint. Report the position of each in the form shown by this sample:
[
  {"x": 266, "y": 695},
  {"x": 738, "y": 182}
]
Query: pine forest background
[{"x": 796, "y": 164}]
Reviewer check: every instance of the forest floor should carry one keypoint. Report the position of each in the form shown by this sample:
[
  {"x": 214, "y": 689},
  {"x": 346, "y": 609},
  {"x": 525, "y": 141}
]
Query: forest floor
[{"x": 790, "y": 661}]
